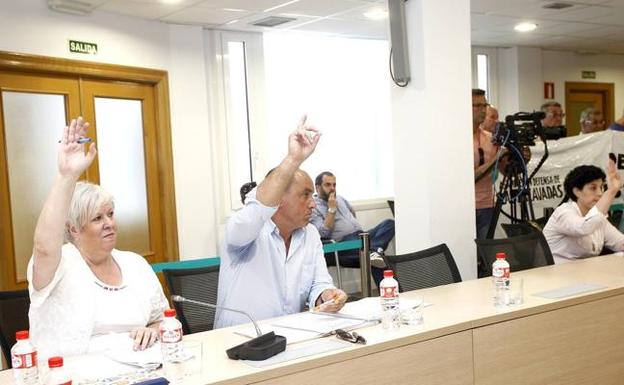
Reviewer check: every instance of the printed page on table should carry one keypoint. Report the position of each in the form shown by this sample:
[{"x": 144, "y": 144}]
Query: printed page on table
[{"x": 370, "y": 307}]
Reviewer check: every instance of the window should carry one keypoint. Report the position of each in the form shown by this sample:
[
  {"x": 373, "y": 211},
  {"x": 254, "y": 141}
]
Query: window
[
  {"x": 482, "y": 73},
  {"x": 343, "y": 86}
]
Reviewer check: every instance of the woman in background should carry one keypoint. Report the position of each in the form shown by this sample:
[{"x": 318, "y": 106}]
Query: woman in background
[
  {"x": 80, "y": 286},
  {"x": 579, "y": 228}
]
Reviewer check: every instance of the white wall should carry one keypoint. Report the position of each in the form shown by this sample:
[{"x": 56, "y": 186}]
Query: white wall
[
  {"x": 522, "y": 72},
  {"x": 27, "y": 26},
  {"x": 434, "y": 183},
  {"x": 560, "y": 66}
]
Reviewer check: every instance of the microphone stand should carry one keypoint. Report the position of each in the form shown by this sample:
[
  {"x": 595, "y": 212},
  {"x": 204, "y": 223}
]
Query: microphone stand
[{"x": 257, "y": 349}]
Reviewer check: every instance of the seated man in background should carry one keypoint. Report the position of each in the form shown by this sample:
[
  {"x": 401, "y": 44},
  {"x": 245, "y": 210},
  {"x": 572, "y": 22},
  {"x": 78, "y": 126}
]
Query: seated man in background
[
  {"x": 335, "y": 219},
  {"x": 579, "y": 228},
  {"x": 272, "y": 260},
  {"x": 591, "y": 121}
]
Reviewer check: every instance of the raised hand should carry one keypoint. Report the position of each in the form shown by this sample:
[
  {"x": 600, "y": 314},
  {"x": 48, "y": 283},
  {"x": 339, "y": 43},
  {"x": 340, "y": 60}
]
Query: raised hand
[
  {"x": 303, "y": 141},
  {"x": 331, "y": 201},
  {"x": 72, "y": 160},
  {"x": 614, "y": 183}
]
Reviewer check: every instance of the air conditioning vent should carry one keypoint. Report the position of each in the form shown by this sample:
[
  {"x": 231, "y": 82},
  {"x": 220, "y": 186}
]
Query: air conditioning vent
[
  {"x": 558, "y": 6},
  {"x": 273, "y": 21},
  {"x": 74, "y": 7}
]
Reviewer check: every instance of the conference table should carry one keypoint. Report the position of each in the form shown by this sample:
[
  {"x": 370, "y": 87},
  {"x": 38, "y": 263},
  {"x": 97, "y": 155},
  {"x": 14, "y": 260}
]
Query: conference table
[{"x": 577, "y": 339}]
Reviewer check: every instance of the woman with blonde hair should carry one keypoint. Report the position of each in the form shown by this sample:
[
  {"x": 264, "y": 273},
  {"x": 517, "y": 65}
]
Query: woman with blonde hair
[{"x": 81, "y": 287}]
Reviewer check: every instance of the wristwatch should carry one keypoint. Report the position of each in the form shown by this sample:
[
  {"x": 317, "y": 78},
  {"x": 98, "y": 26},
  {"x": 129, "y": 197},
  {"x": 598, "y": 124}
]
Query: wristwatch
[{"x": 331, "y": 210}]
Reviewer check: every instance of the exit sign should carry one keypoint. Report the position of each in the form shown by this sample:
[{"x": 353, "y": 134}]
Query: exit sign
[
  {"x": 588, "y": 74},
  {"x": 83, "y": 47}
]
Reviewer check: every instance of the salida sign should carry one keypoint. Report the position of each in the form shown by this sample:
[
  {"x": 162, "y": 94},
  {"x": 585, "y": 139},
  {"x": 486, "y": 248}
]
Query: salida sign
[{"x": 83, "y": 47}]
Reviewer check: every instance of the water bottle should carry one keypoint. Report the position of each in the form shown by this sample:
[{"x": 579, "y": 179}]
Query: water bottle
[
  {"x": 171, "y": 345},
  {"x": 24, "y": 360},
  {"x": 389, "y": 296},
  {"x": 57, "y": 375},
  {"x": 500, "y": 276}
]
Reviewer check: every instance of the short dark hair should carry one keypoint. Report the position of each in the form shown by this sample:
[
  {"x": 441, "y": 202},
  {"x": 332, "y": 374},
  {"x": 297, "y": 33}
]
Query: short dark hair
[
  {"x": 319, "y": 178},
  {"x": 545, "y": 106},
  {"x": 579, "y": 177},
  {"x": 478, "y": 92},
  {"x": 246, "y": 188}
]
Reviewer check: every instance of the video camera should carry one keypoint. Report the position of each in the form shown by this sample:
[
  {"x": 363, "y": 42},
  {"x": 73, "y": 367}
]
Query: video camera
[{"x": 521, "y": 129}]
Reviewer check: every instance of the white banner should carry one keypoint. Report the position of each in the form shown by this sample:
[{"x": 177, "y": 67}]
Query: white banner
[{"x": 564, "y": 155}]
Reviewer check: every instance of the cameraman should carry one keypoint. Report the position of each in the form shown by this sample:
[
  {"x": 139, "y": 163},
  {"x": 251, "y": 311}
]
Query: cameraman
[
  {"x": 554, "y": 114},
  {"x": 486, "y": 154}
]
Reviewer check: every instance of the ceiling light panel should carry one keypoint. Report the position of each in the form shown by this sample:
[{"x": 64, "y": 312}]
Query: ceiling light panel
[
  {"x": 318, "y": 7},
  {"x": 204, "y": 16}
]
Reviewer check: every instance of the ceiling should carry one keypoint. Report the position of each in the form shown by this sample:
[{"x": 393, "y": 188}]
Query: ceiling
[{"x": 587, "y": 26}]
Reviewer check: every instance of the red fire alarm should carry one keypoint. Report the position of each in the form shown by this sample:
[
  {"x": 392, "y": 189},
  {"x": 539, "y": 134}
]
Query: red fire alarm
[{"x": 549, "y": 90}]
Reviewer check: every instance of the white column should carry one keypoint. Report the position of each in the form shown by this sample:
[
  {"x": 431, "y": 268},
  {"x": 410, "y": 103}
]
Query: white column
[
  {"x": 520, "y": 80},
  {"x": 432, "y": 126}
]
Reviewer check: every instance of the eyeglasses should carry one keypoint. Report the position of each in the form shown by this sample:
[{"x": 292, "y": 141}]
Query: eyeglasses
[
  {"x": 352, "y": 337},
  {"x": 480, "y": 105}
]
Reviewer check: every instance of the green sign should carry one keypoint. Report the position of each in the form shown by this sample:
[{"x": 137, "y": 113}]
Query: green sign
[
  {"x": 588, "y": 74},
  {"x": 82, "y": 47}
]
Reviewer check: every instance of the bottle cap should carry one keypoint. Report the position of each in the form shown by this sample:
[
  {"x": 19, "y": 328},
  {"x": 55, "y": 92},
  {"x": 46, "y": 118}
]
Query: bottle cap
[
  {"x": 170, "y": 313},
  {"x": 388, "y": 274},
  {"x": 500, "y": 255},
  {"x": 55, "y": 362},
  {"x": 21, "y": 335}
]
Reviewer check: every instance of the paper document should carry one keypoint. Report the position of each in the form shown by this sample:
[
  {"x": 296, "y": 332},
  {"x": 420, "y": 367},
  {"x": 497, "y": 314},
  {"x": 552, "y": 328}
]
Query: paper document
[
  {"x": 120, "y": 349},
  {"x": 370, "y": 307},
  {"x": 318, "y": 322},
  {"x": 292, "y": 335},
  {"x": 306, "y": 326}
]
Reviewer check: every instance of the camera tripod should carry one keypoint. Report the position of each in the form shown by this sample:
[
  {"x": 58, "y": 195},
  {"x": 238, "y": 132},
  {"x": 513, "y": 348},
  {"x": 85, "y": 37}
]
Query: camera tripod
[{"x": 514, "y": 189}]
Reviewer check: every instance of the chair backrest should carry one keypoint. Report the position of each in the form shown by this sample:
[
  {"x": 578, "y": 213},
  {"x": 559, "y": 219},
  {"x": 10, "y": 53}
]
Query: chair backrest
[
  {"x": 523, "y": 252},
  {"x": 426, "y": 268},
  {"x": 13, "y": 317},
  {"x": 515, "y": 229},
  {"x": 199, "y": 284}
]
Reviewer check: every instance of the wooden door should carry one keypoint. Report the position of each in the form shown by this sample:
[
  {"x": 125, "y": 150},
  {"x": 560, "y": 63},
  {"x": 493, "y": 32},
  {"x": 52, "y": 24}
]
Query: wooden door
[
  {"x": 38, "y": 96},
  {"x": 33, "y": 109},
  {"x": 581, "y": 95}
]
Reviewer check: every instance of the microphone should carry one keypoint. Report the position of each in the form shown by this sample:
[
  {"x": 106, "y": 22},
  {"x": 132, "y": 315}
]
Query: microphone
[{"x": 257, "y": 349}]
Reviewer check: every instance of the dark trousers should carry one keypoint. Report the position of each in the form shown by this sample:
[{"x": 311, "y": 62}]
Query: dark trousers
[
  {"x": 379, "y": 236},
  {"x": 483, "y": 218}
]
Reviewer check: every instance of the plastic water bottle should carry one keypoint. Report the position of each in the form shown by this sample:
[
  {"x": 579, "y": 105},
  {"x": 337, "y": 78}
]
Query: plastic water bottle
[
  {"x": 170, "y": 343},
  {"x": 389, "y": 296},
  {"x": 24, "y": 360},
  {"x": 500, "y": 276},
  {"x": 57, "y": 375}
]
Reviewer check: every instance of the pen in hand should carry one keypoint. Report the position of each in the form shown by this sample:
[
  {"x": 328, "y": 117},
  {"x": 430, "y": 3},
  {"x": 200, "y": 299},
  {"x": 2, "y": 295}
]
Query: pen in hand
[
  {"x": 326, "y": 303},
  {"x": 81, "y": 140}
]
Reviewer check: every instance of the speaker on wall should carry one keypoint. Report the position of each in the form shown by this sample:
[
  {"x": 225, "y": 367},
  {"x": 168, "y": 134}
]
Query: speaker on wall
[{"x": 398, "y": 41}]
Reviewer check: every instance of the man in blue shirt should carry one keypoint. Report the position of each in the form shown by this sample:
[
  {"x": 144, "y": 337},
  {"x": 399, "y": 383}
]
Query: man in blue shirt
[
  {"x": 335, "y": 219},
  {"x": 272, "y": 260}
]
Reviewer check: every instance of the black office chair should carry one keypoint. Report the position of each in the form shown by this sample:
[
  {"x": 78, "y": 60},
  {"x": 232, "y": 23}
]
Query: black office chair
[
  {"x": 523, "y": 252},
  {"x": 426, "y": 268},
  {"x": 14, "y": 307},
  {"x": 391, "y": 204},
  {"x": 522, "y": 228},
  {"x": 199, "y": 284}
]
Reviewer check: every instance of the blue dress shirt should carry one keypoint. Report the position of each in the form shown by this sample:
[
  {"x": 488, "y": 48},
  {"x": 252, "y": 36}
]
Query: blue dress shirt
[{"x": 258, "y": 277}]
